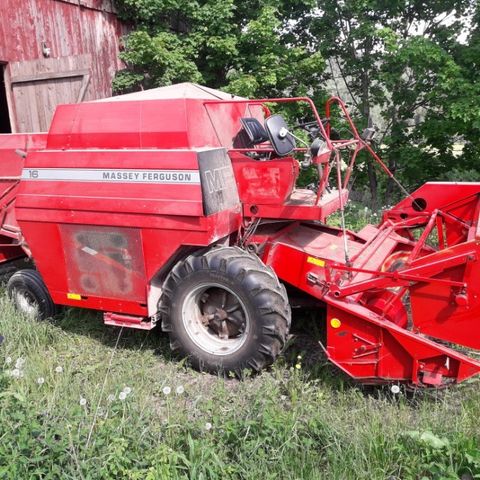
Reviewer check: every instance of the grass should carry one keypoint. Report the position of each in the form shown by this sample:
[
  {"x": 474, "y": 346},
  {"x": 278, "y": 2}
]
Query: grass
[{"x": 287, "y": 423}]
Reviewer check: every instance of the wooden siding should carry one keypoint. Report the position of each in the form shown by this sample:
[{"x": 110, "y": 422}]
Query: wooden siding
[
  {"x": 103, "y": 5},
  {"x": 83, "y": 37}
]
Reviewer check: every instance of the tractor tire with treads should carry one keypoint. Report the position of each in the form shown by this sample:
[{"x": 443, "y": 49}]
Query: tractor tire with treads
[
  {"x": 225, "y": 310},
  {"x": 29, "y": 294}
]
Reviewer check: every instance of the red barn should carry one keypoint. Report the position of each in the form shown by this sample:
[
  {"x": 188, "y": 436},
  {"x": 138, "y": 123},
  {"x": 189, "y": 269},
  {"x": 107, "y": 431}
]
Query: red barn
[{"x": 52, "y": 52}]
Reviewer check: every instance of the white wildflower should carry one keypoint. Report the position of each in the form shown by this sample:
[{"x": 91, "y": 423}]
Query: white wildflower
[
  {"x": 40, "y": 380},
  {"x": 59, "y": 369},
  {"x": 20, "y": 363},
  {"x": 179, "y": 390},
  {"x": 127, "y": 390},
  {"x": 8, "y": 360},
  {"x": 16, "y": 373},
  {"x": 122, "y": 396},
  {"x": 208, "y": 426},
  {"x": 83, "y": 401},
  {"x": 167, "y": 390},
  {"x": 395, "y": 389}
]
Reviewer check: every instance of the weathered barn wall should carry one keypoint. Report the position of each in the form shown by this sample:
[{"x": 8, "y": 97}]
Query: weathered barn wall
[
  {"x": 104, "y": 5},
  {"x": 56, "y": 51}
]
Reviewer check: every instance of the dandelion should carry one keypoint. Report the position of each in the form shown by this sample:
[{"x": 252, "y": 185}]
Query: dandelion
[
  {"x": 19, "y": 363},
  {"x": 299, "y": 357},
  {"x": 8, "y": 360},
  {"x": 83, "y": 401},
  {"x": 167, "y": 390},
  {"x": 283, "y": 398},
  {"x": 122, "y": 396},
  {"x": 179, "y": 390},
  {"x": 395, "y": 389},
  {"x": 59, "y": 369},
  {"x": 208, "y": 426},
  {"x": 40, "y": 380},
  {"x": 16, "y": 373},
  {"x": 298, "y": 366},
  {"x": 127, "y": 390}
]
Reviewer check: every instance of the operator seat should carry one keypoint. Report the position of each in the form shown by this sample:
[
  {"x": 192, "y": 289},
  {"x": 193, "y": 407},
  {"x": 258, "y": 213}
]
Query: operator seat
[{"x": 252, "y": 133}]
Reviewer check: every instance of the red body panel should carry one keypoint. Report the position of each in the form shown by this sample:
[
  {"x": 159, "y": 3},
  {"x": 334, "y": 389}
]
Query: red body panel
[
  {"x": 148, "y": 221},
  {"x": 11, "y": 244},
  {"x": 266, "y": 183}
]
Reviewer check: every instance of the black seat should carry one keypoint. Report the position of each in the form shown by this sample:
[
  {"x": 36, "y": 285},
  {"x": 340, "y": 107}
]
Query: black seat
[{"x": 254, "y": 129}]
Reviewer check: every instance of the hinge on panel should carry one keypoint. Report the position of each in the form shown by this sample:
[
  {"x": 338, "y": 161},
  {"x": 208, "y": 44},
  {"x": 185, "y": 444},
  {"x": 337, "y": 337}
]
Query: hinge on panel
[
  {"x": 312, "y": 278},
  {"x": 367, "y": 347}
]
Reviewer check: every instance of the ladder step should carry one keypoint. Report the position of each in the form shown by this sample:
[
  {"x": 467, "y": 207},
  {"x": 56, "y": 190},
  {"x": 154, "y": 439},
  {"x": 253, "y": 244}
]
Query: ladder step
[{"x": 129, "y": 321}]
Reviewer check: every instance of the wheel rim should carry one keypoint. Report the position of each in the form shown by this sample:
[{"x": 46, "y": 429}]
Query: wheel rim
[
  {"x": 215, "y": 319},
  {"x": 26, "y": 302}
]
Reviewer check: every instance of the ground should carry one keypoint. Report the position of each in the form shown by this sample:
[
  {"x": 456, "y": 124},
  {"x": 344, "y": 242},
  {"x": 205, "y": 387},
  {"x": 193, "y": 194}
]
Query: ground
[{"x": 82, "y": 400}]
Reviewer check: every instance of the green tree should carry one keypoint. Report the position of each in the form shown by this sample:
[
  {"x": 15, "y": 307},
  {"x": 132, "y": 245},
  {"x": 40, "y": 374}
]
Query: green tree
[
  {"x": 401, "y": 56},
  {"x": 244, "y": 47},
  {"x": 463, "y": 110}
]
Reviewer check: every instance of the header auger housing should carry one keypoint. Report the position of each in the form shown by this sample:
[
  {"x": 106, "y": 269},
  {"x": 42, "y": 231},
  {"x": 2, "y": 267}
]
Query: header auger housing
[{"x": 178, "y": 206}]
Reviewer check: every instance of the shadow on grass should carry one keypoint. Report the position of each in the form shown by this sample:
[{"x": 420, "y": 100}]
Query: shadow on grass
[
  {"x": 306, "y": 333},
  {"x": 90, "y": 324},
  {"x": 306, "y": 340}
]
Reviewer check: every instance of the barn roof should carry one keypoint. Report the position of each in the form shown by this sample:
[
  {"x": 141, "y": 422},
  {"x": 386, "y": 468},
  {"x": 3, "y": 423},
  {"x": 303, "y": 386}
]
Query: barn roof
[{"x": 181, "y": 90}]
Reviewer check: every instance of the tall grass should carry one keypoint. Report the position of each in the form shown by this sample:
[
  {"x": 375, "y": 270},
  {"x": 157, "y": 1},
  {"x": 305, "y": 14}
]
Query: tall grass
[{"x": 300, "y": 420}]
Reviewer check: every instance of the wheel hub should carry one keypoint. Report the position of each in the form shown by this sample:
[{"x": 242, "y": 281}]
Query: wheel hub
[
  {"x": 26, "y": 303},
  {"x": 215, "y": 319}
]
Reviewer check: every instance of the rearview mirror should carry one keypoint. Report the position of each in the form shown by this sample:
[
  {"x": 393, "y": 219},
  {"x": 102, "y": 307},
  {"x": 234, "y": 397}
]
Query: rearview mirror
[{"x": 277, "y": 129}]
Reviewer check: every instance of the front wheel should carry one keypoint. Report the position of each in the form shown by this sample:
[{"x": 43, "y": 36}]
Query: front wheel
[
  {"x": 29, "y": 294},
  {"x": 226, "y": 311}
]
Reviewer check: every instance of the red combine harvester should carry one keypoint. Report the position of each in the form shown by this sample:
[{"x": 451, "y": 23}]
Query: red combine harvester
[{"x": 178, "y": 206}]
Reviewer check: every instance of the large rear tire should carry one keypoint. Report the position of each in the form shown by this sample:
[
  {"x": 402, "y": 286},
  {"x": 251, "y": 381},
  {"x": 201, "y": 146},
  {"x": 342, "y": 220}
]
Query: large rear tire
[
  {"x": 226, "y": 311},
  {"x": 29, "y": 295}
]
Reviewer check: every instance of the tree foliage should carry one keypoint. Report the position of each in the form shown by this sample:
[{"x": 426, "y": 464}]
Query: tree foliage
[
  {"x": 400, "y": 56},
  {"x": 414, "y": 62},
  {"x": 244, "y": 47}
]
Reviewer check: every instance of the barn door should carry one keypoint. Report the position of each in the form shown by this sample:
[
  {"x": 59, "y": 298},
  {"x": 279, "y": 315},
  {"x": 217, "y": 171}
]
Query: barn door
[{"x": 38, "y": 86}]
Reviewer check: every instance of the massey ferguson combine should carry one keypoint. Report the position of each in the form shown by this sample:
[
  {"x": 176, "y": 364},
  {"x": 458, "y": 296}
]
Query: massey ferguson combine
[{"x": 179, "y": 207}]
